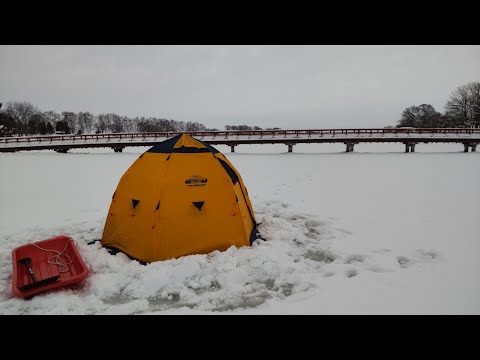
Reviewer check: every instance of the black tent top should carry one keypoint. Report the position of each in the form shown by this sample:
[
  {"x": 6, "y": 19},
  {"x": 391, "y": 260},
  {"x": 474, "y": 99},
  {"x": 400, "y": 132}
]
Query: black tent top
[{"x": 167, "y": 147}]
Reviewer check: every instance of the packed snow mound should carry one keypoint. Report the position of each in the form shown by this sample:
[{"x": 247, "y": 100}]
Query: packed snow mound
[{"x": 298, "y": 250}]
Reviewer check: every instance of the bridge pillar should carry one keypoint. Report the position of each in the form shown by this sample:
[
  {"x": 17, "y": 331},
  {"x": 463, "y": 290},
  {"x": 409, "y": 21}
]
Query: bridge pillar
[
  {"x": 290, "y": 147},
  {"x": 412, "y": 147},
  {"x": 118, "y": 149},
  {"x": 465, "y": 147},
  {"x": 407, "y": 147},
  {"x": 63, "y": 151},
  {"x": 232, "y": 148},
  {"x": 474, "y": 147}
]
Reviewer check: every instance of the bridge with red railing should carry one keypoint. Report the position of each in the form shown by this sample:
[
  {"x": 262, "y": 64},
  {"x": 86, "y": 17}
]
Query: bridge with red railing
[{"x": 468, "y": 137}]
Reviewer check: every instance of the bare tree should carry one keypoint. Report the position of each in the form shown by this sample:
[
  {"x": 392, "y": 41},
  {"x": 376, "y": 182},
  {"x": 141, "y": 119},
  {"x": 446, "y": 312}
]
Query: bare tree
[
  {"x": 52, "y": 117},
  {"x": 194, "y": 126},
  {"x": 127, "y": 124},
  {"x": 102, "y": 123},
  {"x": 21, "y": 111},
  {"x": 464, "y": 105},
  {"x": 71, "y": 119},
  {"x": 115, "y": 122},
  {"x": 85, "y": 122},
  {"x": 131, "y": 125},
  {"x": 180, "y": 126}
]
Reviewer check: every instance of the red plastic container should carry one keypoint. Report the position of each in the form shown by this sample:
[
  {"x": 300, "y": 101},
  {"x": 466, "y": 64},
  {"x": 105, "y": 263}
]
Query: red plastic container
[{"x": 77, "y": 270}]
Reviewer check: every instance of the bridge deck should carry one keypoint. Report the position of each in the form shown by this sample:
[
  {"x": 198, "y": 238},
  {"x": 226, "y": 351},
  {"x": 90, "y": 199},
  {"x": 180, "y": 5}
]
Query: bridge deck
[{"x": 470, "y": 137}]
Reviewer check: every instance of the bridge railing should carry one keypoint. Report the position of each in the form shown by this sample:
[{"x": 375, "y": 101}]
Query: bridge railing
[{"x": 242, "y": 133}]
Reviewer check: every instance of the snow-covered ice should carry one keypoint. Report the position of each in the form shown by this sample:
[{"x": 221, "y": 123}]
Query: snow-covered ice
[{"x": 374, "y": 231}]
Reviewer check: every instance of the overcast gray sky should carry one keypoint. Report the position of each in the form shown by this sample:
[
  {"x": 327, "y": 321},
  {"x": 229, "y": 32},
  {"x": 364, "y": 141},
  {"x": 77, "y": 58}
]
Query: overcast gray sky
[{"x": 284, "y": 86}]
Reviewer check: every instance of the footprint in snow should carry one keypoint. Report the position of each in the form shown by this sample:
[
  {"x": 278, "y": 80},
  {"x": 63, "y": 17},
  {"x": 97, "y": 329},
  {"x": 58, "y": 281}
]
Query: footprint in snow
[
  {"x": 355, "y": 258},
  {"x": 351, "y": 273},
  {"x": 403, "y": 261}
]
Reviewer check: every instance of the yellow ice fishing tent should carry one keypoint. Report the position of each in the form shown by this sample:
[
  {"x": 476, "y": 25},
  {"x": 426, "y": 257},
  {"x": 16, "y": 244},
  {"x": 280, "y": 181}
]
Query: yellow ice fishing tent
[{"x": 180, "y": 197}]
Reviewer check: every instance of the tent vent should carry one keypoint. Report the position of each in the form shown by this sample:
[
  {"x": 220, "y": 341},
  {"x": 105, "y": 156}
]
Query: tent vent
[
  {"x": 198, "y": 204},
  {"x": 135, "y": 203}
]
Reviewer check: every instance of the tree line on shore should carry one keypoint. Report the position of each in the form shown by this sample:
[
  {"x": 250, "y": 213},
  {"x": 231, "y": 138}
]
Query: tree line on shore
[
  {"x": 462, "y": 110},
  {"x": 22, "y": 118}
]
